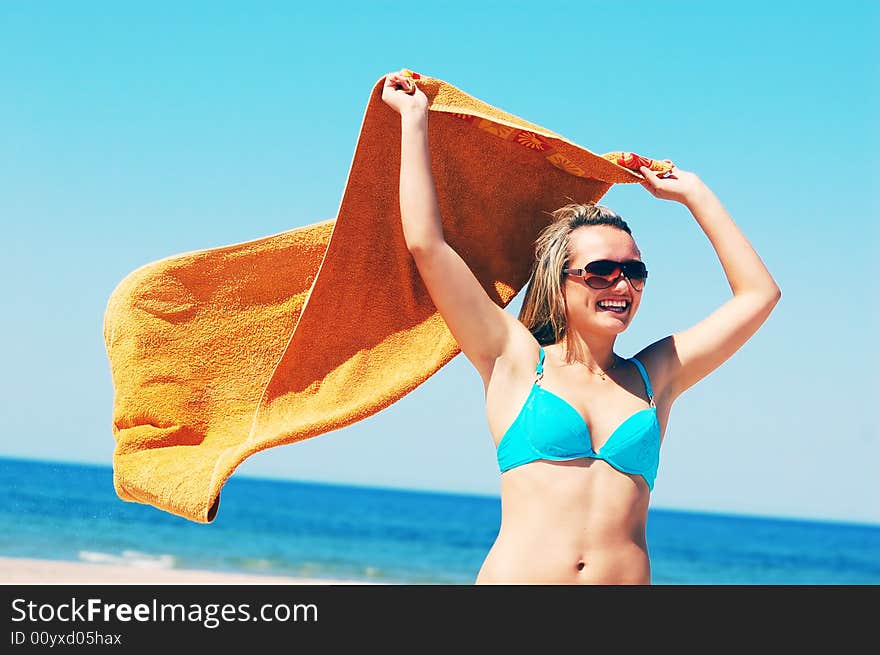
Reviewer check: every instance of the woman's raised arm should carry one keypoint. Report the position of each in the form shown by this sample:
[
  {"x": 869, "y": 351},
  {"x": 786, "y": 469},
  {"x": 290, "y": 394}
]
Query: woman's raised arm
[
  {"x": 688, "y": 356},
  {"x": 481, "y": 327}
]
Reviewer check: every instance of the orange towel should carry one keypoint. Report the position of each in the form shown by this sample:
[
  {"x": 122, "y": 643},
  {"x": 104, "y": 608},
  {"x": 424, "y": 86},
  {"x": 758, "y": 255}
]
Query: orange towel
[{"x": 218, "y": 354}]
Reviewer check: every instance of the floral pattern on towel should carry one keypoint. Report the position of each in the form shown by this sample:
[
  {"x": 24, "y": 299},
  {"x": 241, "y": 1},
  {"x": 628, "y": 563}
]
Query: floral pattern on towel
[{"x": 530, "y": 140}]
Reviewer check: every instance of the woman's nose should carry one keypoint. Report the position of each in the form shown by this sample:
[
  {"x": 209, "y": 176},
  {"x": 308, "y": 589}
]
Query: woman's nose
[{"x": 620, "y": 283}]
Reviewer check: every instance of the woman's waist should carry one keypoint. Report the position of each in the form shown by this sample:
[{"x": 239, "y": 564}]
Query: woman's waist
[
  {"x": 593, "y": 515},
  {"x": 518, "y": 558},
  {"x": 586, "y": 529}
]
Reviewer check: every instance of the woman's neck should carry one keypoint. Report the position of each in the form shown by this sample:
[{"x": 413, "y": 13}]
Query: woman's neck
[{"x": 595, "y": 352}]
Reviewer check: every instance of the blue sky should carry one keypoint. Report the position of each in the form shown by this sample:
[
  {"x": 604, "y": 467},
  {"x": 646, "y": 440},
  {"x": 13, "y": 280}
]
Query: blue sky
[{"x": 131, "y": 133}]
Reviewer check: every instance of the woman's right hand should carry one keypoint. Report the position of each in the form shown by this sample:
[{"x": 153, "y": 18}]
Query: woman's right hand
[{"x": 402, "y": 95}]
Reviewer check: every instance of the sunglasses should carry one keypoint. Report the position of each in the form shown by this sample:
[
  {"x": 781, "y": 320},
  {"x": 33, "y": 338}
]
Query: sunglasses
[{"x": 606, "y": 272}]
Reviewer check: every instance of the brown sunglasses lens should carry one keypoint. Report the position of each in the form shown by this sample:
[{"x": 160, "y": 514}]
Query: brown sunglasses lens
[{"x": 605, "y": 273}]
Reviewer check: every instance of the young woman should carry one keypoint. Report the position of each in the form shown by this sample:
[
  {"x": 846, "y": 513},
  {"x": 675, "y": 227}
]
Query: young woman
[{"x": 577, "y": 427}]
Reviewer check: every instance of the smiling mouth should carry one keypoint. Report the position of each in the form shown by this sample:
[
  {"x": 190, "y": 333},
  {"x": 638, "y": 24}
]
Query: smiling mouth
[{"x": 618, "y": 307}]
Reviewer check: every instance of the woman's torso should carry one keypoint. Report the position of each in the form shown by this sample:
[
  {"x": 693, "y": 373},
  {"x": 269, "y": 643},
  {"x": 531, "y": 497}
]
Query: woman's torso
[{"x": 580, "y": 521}]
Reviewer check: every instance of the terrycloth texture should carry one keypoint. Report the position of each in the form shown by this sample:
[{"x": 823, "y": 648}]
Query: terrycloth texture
[{"x": 218, "y": 354}]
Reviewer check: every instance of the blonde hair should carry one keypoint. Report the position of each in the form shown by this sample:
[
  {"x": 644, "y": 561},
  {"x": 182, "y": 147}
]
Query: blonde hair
[{"x": 543, "y": 308}]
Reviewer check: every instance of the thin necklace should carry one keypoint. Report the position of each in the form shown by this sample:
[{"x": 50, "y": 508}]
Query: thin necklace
[{"x": 600, "y": 372}]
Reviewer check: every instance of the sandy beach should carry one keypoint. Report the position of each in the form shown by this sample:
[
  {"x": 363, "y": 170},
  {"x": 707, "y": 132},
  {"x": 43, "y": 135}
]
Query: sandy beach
[{"x": 15, "y": 570}]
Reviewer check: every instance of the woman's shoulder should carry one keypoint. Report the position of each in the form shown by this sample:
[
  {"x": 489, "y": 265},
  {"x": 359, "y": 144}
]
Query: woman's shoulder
[
  {"x": 659, "y": 361},
  {"x": 520, "y": 356}
]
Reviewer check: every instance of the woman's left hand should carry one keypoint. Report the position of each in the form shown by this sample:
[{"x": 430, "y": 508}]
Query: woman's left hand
[{"x": 678, "y": 185}]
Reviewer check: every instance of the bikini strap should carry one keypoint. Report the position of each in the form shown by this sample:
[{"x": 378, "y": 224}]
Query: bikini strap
[
  {"x": 539, "y": 370},
  {"x": 644, "y": 374}
]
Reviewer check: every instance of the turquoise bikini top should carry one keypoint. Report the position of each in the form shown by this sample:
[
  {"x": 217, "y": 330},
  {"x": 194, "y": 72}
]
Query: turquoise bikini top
[{"x": 548, "y": 427}]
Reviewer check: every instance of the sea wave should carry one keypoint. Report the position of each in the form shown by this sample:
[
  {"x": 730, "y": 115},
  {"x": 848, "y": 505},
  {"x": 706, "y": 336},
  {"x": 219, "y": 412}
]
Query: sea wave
[{"x": 132, "y": 558}]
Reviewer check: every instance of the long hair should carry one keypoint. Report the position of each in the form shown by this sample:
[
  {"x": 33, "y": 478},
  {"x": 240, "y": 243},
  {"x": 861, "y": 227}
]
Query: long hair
[{"x": 543, "y": 308}]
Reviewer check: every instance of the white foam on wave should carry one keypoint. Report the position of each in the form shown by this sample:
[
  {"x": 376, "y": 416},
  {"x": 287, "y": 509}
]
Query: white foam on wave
[{"x": 131, "y": 558}]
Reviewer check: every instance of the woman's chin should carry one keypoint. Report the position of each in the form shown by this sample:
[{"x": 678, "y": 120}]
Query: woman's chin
[{"x": 613, "y": 322}]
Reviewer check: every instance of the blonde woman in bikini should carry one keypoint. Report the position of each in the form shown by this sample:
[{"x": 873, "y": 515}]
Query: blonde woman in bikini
[{"x": 577, "y": 427}]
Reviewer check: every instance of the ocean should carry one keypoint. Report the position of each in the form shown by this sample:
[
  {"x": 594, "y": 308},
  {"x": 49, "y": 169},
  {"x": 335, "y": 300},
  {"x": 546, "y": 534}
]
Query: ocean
[{"x": 63, "y": 511}]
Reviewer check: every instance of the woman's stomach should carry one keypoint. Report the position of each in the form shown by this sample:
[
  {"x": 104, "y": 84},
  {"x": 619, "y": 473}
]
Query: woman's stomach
[
  {"x": 575, "y": 522},
  {"x": 514, "y": 561}
]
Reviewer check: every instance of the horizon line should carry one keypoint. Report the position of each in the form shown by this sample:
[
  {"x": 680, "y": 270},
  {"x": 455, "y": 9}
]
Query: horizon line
[{"x": 472, "y": 494}]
